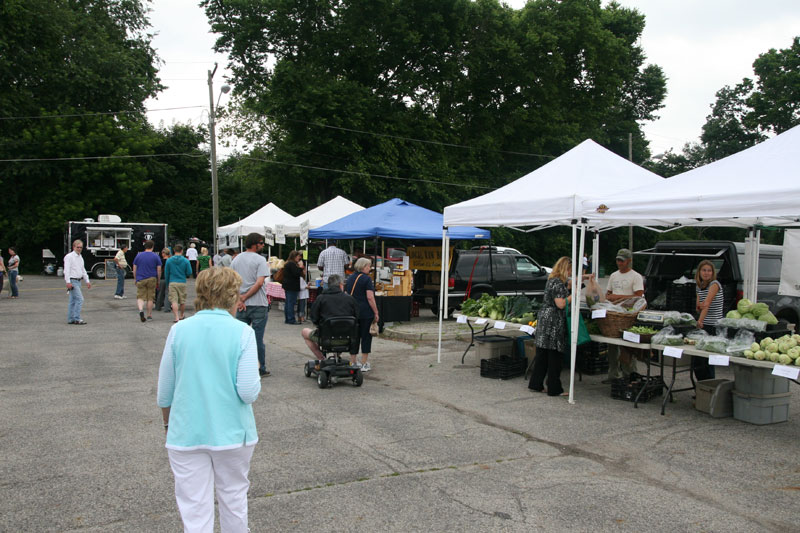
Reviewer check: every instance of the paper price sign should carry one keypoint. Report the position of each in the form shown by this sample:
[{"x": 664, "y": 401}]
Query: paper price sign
[
  {"x": 786, "y": 371},
  {"x": 527, "y": 329},
  {"x": 719, "y": 360},
  {"x": 499, "y": 325},
  {"x": 630, "y": 337},
  {"x": 462, "y": 319},
  {"x": 671, "y": 351},
  {"x": 480, "y": 321},
  {"x": 599, "y": 313}
]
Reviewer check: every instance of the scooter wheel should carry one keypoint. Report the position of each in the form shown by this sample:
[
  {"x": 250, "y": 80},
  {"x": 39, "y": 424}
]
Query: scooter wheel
[
  {"x": 307, "y": 370},
  {"x": 322, "y": 379},
  {"x": 358, "y": 378}
]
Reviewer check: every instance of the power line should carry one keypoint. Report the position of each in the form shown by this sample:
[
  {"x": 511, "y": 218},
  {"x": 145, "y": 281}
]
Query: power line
[
  {"x": 96, "y": 157},
  {"x": 99, "y": 113}
]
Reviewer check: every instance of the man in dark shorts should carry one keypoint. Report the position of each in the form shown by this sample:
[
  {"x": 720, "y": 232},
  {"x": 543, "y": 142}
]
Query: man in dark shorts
[
  {"x": 332, "y": 302},
  {"x": 146, "y": 272}
]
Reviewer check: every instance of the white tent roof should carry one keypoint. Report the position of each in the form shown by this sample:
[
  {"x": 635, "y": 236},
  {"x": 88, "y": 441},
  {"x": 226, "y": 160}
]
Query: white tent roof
[
  {"x": 759, "y": 185},
  {"x": 552, "y": 194},
  {"x": 267, "y": 216},
  {"x": 319, "y": 216}
]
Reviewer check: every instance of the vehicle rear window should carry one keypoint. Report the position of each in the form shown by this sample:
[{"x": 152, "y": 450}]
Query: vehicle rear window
[{"x": 503, "y": 266}]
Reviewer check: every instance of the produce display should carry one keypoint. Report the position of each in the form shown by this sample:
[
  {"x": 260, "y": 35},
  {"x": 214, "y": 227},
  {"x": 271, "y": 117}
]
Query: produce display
[
  {"x": 516, "y": 309},
  {"x": 784, "y": 350},
  {"x": 642, "y": 330},
  {"x": 674, "y": 318},
  {"x": 746, "y": 309}
]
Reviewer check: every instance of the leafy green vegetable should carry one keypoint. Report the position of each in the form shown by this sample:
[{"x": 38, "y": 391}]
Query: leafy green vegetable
[
  {"x": 769, "y": 318},
  {"x": 744, "y": 306}
]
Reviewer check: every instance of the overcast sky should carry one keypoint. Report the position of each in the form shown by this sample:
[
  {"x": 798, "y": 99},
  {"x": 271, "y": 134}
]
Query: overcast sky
[{"x": 702, "y": 45}]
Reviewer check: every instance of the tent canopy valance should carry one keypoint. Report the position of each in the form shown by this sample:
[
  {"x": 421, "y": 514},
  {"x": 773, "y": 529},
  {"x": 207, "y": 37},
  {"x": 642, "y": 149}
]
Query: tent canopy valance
[
  {"x": 326, "y": 213},
  {"x": 266, "y": 217},
  {"x": 395, "y": 219}
]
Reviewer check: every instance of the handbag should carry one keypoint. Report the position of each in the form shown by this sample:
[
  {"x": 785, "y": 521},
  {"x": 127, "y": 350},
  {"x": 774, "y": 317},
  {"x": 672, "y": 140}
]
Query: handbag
[
  {"x": 373, "y": 329},
  {"x": 278, "y": 277},
  {"x": 583, "y": 333}
]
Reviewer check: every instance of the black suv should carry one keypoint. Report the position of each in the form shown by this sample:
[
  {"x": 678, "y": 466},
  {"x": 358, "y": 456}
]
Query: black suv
[
  {"x": 669, "y": 260},
  {"x": 510, "y": 274}
]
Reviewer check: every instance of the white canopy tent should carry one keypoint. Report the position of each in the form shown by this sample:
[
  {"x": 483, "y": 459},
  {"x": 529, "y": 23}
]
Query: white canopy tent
[
  {"x": 759, "y": 186},
  {"x": 549, "y": 196},
  {"x": 319, "y": 216},
  {"x": 259, "y": 222}
]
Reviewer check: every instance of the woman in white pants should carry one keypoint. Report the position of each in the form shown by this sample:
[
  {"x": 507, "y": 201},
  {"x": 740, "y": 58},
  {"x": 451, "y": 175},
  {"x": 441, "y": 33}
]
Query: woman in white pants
[{"x": 210, "y": 439}]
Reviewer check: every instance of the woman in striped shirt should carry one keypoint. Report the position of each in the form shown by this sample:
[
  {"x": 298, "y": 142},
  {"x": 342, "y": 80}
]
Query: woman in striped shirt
[{"x": 709, "y": 305}]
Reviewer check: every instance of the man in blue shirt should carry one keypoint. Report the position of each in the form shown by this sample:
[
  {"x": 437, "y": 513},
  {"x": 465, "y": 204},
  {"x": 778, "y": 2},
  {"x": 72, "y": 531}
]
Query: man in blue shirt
[
  {"x": 176, "y": 270},
  {"x": 146, "y": 272}
]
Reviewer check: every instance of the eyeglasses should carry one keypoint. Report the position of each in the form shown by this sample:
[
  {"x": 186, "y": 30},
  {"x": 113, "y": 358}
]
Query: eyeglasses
[{"x": 261, "y": 243}]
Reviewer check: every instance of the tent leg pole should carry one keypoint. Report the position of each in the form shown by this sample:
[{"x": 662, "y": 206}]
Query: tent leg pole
[{"x": 442, "y": 287}]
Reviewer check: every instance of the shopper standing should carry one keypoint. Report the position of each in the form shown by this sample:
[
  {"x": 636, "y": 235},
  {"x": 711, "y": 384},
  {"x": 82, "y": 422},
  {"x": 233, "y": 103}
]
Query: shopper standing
[
  {"x": 122, "y": 269},
  {"x": 191, "y": 255},
  {"x": 74, "y": 273},
  {"x": 332, "y": 260},
  {"x": 551, "y": 331},
  {"x": 13, "y": 271},
  {"x": 359, "y": 285},
  {"x": 146, "y": 272},
  {"x": 292, "y": 272}
]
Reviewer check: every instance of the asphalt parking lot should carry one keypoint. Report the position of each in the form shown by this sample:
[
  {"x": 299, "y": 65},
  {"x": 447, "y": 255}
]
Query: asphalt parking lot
[{"x": 421, "y": 446}]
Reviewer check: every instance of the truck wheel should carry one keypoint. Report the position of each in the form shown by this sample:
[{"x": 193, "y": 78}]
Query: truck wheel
[{"x": 99, "y": 271}]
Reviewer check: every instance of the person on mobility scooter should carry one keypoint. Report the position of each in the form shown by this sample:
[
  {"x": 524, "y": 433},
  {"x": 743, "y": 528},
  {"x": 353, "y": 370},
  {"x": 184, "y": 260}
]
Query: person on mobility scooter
[{"x": 335, "y": 313}]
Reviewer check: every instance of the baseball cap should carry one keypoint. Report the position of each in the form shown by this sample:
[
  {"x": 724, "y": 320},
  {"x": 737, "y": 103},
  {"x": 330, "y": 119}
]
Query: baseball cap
[{"x": 624, "y": 253}]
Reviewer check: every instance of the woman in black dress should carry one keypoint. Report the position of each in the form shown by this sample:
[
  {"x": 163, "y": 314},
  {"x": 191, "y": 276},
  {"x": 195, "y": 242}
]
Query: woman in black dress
[{"x": 551, "y": 331}]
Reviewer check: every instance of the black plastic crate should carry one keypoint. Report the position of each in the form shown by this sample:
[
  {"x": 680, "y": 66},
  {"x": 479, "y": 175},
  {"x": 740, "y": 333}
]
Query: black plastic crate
[
  {"x": 628, "y": 389},
  {"x": 592, "y": 358},
  {"x": 503, "y": 367}
]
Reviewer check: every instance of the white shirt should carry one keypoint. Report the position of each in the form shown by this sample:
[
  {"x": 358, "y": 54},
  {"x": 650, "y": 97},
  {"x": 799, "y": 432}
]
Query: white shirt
[
  {"x": 625, "y": 284},
  {"x": 191, "y": 254},
  {"x": 74, "y": 268}
]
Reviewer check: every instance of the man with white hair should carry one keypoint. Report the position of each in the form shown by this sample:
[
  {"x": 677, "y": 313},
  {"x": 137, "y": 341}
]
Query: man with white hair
[{"x": 74, "y": 273}]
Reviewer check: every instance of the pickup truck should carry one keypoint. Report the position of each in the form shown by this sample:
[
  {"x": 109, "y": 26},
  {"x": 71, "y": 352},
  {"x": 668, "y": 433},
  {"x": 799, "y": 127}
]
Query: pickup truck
[{"x": 669, "y": 260}]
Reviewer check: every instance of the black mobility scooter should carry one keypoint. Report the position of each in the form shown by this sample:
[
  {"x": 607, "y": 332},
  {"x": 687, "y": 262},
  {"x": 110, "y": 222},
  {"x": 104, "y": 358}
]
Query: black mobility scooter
[{"x": 336, "y": 335}]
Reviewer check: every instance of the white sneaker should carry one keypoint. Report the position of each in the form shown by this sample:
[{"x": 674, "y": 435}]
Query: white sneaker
[
  {"x": 365, "y": 367},
  {"x": 355, "y": 365},
  {"x": 118, "y": 297}
]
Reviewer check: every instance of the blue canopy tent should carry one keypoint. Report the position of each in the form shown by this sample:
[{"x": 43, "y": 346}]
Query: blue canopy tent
[{"x": 395, "y": 219}]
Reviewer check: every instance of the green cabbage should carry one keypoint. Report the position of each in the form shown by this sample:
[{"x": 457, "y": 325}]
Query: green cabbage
[
  {"x": 749, "y": 316},
  {"x": 759, "y": 309},
  {"x": 797, "y": 362},
  {"x": 748, "y": 354},
  {"x": 766, "y": 341},
  {"x": 733, "y": 313},
  {"x": 759, "y": 355},
  {"x": 744, "y": 306},
  {"x": 769, "y": 318},
  {"x": 755, "y": 347},
  {"x": 784, "y": 359},
  {"x": 772, "y": 347},
  {"x": 794, "y": 353}
]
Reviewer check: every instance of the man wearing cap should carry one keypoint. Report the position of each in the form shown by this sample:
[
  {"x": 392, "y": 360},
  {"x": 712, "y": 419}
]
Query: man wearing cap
[{"x": 623, "y": 284}]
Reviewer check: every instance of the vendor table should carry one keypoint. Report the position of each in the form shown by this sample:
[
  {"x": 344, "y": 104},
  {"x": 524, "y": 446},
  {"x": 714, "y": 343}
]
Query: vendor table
[
  {"x": 484, "y": 324},
  {"x": 274, "y": 292}
]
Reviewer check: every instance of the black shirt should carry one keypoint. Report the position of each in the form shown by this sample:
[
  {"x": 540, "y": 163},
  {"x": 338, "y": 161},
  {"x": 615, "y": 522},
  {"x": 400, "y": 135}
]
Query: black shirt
[
  {"x": 291, "y": 276},
  {"x": 333, "y": 302}
]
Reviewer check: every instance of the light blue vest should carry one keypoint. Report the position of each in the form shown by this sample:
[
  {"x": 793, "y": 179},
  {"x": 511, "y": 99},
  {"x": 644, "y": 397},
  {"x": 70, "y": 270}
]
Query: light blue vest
[{"x": 206, "y": 410}]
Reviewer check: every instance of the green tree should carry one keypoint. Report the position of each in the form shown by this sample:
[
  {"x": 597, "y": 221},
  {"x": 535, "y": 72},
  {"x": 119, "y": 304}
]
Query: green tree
[
  {"x": 73, "y": 80},
  {"x": 406, "y": 98}
]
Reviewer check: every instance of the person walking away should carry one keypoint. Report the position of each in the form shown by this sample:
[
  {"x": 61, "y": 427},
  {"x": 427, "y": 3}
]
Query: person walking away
[
  {"x": 207, "y": 383},
  {"x": 252, "y": 307},
  {"x": 203, "y": 260},
  {"x": 332, "y": 260},
  {"x": 551, "y": 331},
  {"x": 163, "y": 288},
  {"x": 121, "y": 265},
  {"x": 332, "y": 302},
  {"x": 292, "y": 272},
  {"x": 216, "y": 260},
  {"x": 13, "y": 271},
  {"x": 622, "y": 285},
  {"x": 74, "y": 273},
  {"x": 176, "y": 271},
  {"x": 191, "y": 255},
  {"x": 359, "y": 285},
  {"x": 709, "y": 305},
  {"x": 146, "y": 272}
]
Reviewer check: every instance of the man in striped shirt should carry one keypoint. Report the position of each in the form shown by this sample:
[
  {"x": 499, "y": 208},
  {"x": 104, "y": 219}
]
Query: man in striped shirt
[{"x": 331, "y": 261}]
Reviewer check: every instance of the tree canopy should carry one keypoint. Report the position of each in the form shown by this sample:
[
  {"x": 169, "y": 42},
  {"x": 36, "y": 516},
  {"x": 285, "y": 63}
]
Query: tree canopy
[{"x": 434, "y": 101}]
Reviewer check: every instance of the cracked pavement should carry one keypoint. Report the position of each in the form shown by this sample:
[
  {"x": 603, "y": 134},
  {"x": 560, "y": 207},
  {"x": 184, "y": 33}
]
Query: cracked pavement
[{"x": 420, "y": 446}]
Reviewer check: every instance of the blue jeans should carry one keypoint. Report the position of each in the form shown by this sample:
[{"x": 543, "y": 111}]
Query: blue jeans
[
  {"x": 288, "y": 309},
  {"x": 256, "y": 316},
  {"x": 120, "y": 281},
  {"x": 12, "y": 278},
  {"x": 75, "y": 301}
]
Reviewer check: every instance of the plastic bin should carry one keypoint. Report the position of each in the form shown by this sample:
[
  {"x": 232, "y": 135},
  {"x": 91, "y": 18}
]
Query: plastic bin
[
  {"x": 714, "y": 397},
  {"x": 492, "y": 346},
  {"x": 761, "y": 409},
  {"x": 503, "y": 367},
  {"x": 758, "y": 381}
]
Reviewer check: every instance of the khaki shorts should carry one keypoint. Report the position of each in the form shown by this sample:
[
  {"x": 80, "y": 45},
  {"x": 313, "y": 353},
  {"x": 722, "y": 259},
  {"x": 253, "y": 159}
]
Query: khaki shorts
[
  {"x": 146, "y": 289},
  {"x": 177, "y": 293}
]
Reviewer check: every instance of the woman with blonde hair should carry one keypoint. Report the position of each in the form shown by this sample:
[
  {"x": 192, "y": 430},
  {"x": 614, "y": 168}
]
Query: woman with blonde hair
[
  {"x": 203, "y": 260},
  {"x": 207, "y": 381},
  {"x": 551, "y": 331},
  {"x": 359, "y": 285}
]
